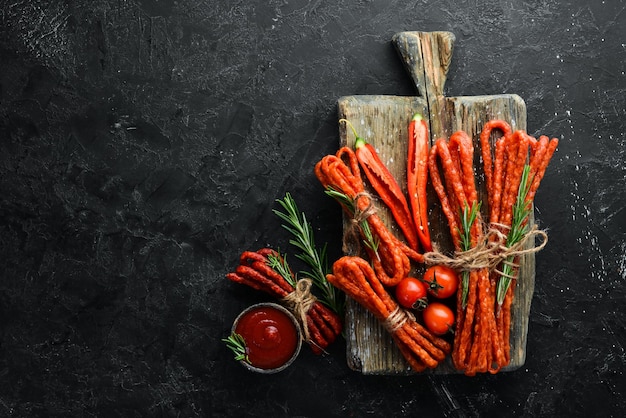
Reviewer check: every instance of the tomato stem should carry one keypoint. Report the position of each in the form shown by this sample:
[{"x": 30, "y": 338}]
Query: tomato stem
[{"x": 420, "y": 304}]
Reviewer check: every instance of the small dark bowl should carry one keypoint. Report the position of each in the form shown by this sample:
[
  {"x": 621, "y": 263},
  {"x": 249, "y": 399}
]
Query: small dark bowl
[{"x": 298, "y": 337}]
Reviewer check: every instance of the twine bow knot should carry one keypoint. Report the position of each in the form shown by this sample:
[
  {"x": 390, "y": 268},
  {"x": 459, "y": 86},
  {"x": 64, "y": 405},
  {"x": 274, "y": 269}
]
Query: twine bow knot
[
  {"x": 351, "y": 235},
  {"x": 490, "y": 251},
  {"x": 299, "y": 302}
]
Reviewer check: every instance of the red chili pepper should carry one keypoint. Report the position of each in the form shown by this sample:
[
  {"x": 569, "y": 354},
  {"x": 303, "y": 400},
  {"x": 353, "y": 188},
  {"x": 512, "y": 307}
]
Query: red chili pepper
[
  {"x": 386, "y": 187},
  {"x": 417, "y": 178}
]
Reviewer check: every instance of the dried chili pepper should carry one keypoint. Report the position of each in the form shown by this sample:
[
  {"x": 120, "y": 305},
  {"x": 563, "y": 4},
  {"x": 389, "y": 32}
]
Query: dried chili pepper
[
  {"x": 417, "y": 178},
  {"x": 340, "y": 175},
  {"x": 385, "y": 186}
]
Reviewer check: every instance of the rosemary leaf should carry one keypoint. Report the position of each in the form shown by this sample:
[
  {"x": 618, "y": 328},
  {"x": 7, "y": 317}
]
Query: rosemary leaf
[
  {"x": 236, "y": 343},
  {"x": 296, "y": 223},
  {"x": 519, "y": 227},
  {"x": 369, "y": 240},
  {"x": 280, "y": 265},
  {"x": 468, "y": 217}
]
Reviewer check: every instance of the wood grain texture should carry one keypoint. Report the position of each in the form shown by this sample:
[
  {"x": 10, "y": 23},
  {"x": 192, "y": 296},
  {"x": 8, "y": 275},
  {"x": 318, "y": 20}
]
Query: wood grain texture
[{"x": 383, "y": 121}]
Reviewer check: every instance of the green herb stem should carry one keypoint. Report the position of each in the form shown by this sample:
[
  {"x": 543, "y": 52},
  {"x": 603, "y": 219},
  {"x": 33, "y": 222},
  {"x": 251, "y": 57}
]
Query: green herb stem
[
  {"x": 468, "y": 217},
  {"x": 296, "y": 223},
  {"x": 236, "y": 343},
  {"x": 369, "y": 240},
  {"x": 280, "y": 265},
  {"x": 519, "y": 227}
]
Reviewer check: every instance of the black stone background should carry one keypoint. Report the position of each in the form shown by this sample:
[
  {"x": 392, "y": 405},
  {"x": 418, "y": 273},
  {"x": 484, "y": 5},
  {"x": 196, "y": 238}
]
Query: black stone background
[{"x": 143, "y": 145}]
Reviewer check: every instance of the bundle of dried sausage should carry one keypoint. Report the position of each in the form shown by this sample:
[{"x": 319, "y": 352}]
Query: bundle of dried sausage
[
  {"x": 320, "y": 325},
  {"x": 488, "y": 251},
  {"x": 392, "y": 259},
  {"x": 358, "y": 280}
]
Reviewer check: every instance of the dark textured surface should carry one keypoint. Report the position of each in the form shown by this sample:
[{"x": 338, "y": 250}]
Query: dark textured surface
[{"x": 143, "y": 144}]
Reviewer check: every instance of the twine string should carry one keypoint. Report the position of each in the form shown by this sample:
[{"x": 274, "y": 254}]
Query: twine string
[
  {"x": 491, "y": 251},
  {"x": 299, "y": 302},
  {"x": 351, "y": 243},
  {"x": 397, "y": 318}
]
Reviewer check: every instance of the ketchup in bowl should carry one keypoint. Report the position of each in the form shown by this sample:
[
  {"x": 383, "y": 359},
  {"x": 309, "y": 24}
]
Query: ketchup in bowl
[{"x": 272, "y": 337}]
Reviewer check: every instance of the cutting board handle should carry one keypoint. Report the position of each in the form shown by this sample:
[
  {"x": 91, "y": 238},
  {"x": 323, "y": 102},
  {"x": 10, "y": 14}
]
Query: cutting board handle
[{"x": 427, "y": 57}]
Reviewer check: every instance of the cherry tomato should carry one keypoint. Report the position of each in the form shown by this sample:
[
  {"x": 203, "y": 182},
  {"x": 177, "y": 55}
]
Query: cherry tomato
[
  {"x": 442, "y": 281},
  {"x": 438, "y": 318},
  {"x": 411, "y": 293}
]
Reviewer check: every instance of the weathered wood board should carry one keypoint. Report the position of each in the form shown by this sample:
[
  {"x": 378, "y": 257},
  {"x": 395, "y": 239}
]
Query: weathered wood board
[{"x": 383, "y": 121}]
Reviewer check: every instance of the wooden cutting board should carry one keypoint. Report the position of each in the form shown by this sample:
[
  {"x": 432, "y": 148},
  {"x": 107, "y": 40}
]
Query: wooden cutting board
[{"x": 383, "y": 121}]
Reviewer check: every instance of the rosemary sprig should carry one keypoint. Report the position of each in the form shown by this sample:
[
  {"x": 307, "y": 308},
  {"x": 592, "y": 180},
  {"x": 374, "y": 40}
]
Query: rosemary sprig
[
  {"x": 519, "y": 227},
  {"x": 237, "y": 345},
  {"x": 279, "y": 264},
  {"x": 297, "y": 224},
  {"x": 468, "y": 217},
  {"x": 369, "y": 240}
]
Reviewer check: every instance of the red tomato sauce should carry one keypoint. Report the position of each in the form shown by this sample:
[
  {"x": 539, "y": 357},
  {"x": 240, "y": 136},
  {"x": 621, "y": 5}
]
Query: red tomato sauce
[{"x": 271, "y": 336}]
